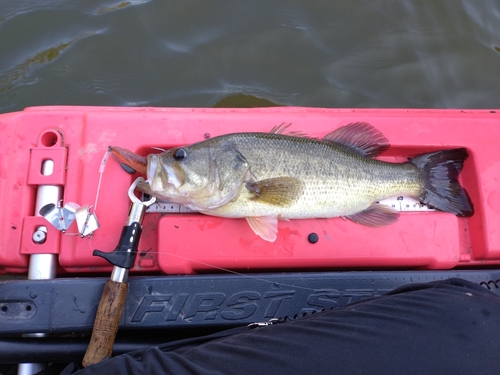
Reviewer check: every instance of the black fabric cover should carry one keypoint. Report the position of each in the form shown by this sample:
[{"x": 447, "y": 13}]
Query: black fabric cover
[{"x": 445, "y": 327}]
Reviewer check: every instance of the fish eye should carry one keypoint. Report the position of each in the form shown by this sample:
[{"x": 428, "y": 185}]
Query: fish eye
[{"x": 179, "y": 154}]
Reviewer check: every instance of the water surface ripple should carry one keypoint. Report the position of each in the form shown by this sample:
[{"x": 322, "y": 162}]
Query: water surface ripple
[{"x": 410, "y": 53}]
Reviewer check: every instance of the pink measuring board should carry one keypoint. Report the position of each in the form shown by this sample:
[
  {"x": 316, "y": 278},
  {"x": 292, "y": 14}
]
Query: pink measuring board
[{"x": 76, "y": 138}]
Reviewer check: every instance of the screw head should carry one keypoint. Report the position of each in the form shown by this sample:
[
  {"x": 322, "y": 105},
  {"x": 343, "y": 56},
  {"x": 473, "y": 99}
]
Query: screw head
[
  {"x": 313, "y": 237},
  {"x": 39, "y": 237}
]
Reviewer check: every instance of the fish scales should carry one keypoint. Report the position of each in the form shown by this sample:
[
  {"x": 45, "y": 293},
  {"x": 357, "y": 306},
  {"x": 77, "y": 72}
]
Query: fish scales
[{"x": 337, "y": 181}]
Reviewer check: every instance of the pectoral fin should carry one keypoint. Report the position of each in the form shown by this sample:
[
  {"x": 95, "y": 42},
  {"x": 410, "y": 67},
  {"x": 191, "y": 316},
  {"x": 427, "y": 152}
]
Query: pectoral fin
[
  {"x": 265, "y": 227},
  {"x": 280, "y": 191},
  {"x": 377, "y": 215}
]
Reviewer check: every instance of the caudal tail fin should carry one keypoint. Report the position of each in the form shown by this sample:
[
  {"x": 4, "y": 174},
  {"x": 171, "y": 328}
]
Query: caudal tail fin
[{"x": 442, "y": 190}]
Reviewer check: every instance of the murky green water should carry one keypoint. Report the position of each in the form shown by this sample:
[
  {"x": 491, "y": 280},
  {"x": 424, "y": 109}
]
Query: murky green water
[{"x": 244, "y": 53}]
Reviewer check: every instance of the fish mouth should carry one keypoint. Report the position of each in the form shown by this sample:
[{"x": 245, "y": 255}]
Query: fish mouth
[
  {"x": 155, "y": 180},
  {"x": 160, "y": 175}
]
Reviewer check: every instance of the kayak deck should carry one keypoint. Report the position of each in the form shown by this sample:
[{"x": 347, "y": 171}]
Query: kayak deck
[{"x": 76, "y": 139}]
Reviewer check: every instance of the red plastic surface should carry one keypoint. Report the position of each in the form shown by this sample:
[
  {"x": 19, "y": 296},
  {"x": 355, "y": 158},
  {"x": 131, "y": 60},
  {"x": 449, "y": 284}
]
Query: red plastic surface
[
  {"x": 51, "y": 245},
  {"x": 50, "y": 147},
  {"x": 186, "y": 243}
]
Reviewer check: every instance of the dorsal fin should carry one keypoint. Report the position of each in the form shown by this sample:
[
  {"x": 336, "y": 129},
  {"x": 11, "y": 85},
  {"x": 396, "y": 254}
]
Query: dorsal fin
[
  {"x": 281, "y": 128},
  {"x": 361, "y": 137}
]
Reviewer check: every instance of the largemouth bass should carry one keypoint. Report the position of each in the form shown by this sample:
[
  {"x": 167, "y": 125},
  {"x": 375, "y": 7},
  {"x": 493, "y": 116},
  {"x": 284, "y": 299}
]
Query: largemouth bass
[{"x": 265, "y": 177}]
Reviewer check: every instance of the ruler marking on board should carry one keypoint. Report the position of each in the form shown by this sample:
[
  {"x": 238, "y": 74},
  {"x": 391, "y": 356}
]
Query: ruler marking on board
[
  {"x": 402, "y": 204},
  {"x": 168, "y": 207},
  {"x": 406, "y": 204}
]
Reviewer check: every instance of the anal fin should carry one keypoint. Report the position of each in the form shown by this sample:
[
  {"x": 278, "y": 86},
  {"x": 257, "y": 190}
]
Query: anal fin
[
  {"x": 376, "y": 215},
  {"x": 266, "y": 227}
]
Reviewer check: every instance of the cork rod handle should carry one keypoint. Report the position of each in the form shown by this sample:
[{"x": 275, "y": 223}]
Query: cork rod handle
[{"x": 106, "y": 324}]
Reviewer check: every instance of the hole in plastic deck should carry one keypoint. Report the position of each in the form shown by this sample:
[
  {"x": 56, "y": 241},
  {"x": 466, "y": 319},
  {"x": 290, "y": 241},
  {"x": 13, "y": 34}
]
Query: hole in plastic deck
[
  {"x": 49, "y": 139},
  {"x": 47, "y": 167}
]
